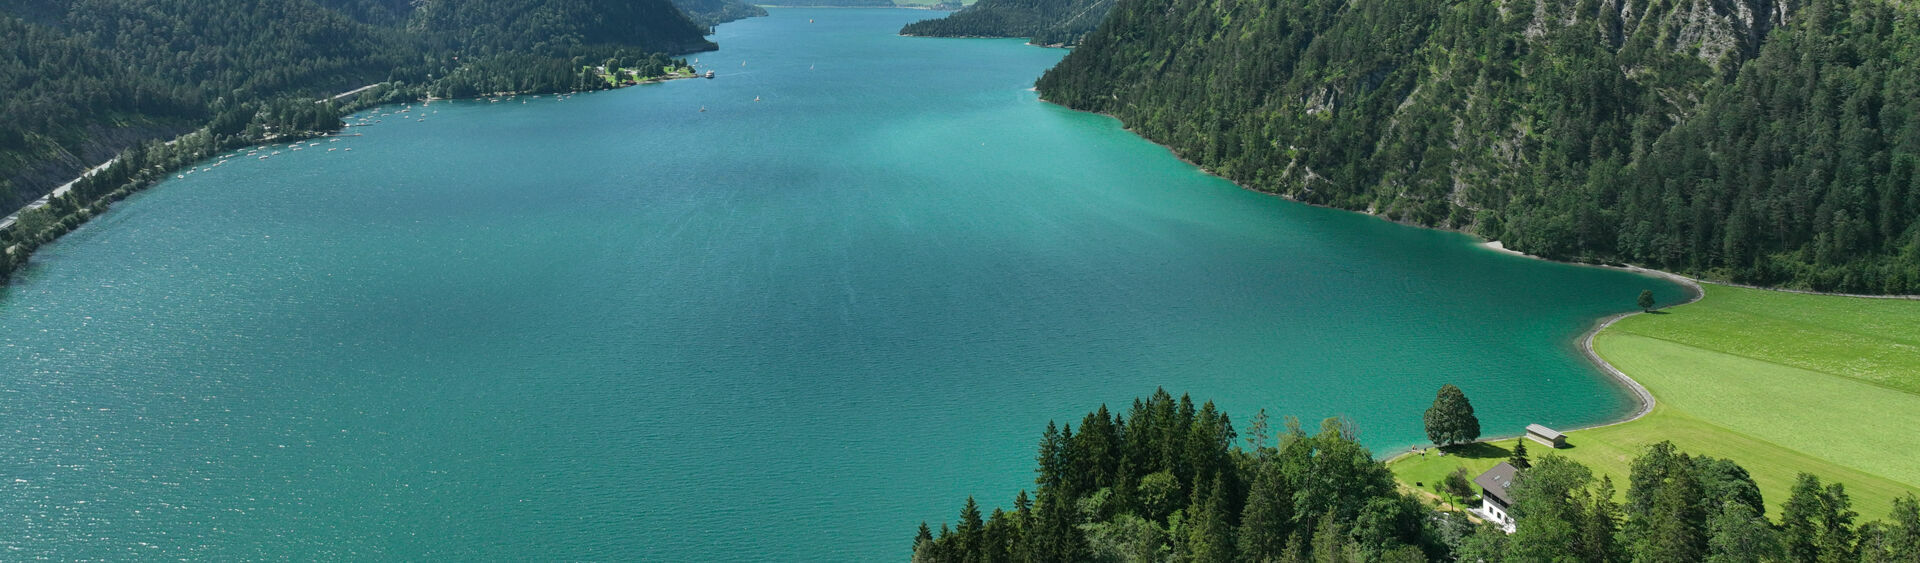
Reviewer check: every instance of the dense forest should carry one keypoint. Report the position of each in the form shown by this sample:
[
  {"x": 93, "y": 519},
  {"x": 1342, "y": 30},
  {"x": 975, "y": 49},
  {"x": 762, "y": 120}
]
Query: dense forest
[
  {"x": 1046, "y": 22},
  {"x": 1171, "y": 481},
  {"x": 1753, "y": 141},
  {"x": 710, "y": 13},
  {"x": 82, "y": 81},
  {"x": 86, "y": 79}
]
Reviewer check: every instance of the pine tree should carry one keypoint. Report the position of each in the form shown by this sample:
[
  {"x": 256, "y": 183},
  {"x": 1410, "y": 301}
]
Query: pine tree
[
  {"x": 1330, "y": 541},
  {"x": 1266, "y": 523},
  {"x": 1676, "y": 527},
  {"x": 1816, "y": 523},
  {"x": 1737, "y": 534},
  {"x": 1599, "y": 535},
  {"x": 1450, "y": 420},
  {"x": 1209, "y": 530},
  {"x": 968, "y": 536},
  {"x": 1519, "y": 458},
  {"x": 923, "y": 543}
]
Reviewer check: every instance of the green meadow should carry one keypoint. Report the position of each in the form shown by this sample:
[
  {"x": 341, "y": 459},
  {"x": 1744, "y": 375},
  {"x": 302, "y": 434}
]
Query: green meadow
[{"x": 1781, "y": 383}]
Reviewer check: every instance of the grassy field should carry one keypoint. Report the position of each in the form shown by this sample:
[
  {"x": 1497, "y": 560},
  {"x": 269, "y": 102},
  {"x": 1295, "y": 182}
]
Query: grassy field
[{"x": 1781, "y": 383}]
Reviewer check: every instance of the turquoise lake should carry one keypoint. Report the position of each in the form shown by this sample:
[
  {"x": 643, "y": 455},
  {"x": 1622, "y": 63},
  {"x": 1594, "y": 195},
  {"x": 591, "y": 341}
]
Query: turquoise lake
[{"x": 618, "y": 327}]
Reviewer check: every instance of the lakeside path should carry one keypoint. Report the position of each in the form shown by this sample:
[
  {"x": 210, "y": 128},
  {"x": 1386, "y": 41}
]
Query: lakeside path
[
  {"x": 57, "y": 192},
  {"x": 1780, "y": 382}
]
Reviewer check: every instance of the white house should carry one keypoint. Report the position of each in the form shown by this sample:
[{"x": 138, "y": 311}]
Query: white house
[{"x": 1495, "y": 500}]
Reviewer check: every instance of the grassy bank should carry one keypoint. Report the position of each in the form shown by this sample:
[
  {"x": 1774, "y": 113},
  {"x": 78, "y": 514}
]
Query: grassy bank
[{"x": 1781, "y": 383}]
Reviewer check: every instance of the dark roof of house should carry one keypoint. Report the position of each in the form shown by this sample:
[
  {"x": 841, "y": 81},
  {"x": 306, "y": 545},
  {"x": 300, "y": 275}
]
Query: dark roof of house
[
  {"x": 1496, "y": 481},
  {"x": 1544, "y": 432}
]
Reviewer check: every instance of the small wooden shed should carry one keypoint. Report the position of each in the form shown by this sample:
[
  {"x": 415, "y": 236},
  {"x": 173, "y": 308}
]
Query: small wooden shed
[{"x": 1547, "y": 436}]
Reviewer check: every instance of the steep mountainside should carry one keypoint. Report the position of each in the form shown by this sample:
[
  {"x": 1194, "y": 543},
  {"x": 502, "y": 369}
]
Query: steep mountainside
[
  {"x": 555, "y": 26},
  {"x": 1753, "y": 140},
  {"x": 1046, "y": 22},
  {"x": 709, "y": 13},
  {"x": 82, "y": 80}
]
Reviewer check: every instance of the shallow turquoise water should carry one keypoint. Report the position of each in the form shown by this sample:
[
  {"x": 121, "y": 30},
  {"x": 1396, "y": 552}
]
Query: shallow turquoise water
[{"x": 617, "y": 327}]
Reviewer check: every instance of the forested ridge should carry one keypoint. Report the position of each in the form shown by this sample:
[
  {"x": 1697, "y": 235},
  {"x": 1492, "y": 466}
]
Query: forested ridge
[
  {"x": 710, "y": 13},
  {"x": 1171, "y": 481},
  {"x": 1046, "y": 22},
  {"x": 82, "y": 80},
  {"x": 1752, "y": 141}
]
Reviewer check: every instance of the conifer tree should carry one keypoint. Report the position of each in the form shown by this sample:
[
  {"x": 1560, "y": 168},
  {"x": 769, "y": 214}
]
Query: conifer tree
[
  {"x": 1519, "y": 458},
  {"x": 1209, "y": 530},
  {"x": 971, "y": 529},
  {"x": 1266, "y": 523},
  {"x": 1737, "y": 534},
  {"x": 1816, "y": 523},
  {"x": 1675, "y": 529}
]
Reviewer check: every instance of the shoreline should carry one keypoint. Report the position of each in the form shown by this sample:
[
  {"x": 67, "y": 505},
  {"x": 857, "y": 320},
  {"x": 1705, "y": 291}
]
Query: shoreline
[{"x": 1641, "y": 394}]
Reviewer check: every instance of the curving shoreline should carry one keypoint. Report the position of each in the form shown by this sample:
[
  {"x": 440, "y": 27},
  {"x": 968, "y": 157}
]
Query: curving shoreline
[
  {"x": 1694, "y": 294},
  {"x": 1641, "y": 395}
]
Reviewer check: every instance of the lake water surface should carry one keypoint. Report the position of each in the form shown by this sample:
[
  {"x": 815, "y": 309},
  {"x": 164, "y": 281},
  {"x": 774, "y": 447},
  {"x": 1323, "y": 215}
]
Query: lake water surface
[{"x": 618, "y": 327}]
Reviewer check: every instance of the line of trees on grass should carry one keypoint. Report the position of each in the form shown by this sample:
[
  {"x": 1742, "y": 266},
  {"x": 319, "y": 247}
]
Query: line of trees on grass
[{"x": 1167, "y": 481}]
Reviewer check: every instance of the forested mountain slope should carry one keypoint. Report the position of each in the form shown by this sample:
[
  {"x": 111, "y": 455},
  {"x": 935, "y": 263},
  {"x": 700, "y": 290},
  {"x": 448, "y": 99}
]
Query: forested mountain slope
[
  {"x": 82, "y": 80},
  {"x": 1751, "y": 140},
  {"x": 710, "y": 13},
  {"x": 554, "y": 26},
  {"x": 1046, "y": 22}
]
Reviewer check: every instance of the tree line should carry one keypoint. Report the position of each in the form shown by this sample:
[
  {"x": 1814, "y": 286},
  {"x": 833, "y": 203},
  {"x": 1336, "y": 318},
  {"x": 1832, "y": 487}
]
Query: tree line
[
  {"x": 1045, "y": 22},
  {"x": 1172, "y": 481},
  {"x": 1753, "y": 141}
]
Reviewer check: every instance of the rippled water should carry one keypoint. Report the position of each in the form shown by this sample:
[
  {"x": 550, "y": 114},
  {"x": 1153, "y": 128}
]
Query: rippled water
[{"x": 618, "y": 327}]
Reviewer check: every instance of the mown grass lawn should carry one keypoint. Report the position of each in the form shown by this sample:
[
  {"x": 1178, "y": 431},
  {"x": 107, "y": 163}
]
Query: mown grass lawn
[{"x": 1781, "y": 383}]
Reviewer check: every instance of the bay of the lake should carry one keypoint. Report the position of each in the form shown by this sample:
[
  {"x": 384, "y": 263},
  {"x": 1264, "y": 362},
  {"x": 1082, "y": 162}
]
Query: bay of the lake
[{"x": 616, "y": 326}]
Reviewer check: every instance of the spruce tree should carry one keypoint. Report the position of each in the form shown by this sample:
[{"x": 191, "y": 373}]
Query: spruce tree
[
  {"x": 1676, "y": 526},
  {"x": 1816, "y": 523},
  {"x": 1519, "y": 458},
  {"x": 1209, "y": 530},
  {"x": 1450, "y": 420},
  {"x": 1266, "y": 523},
  {"x": 970, "y": 531},
  {"x": 1737, "y": 534},
  {"x": 1904, "y": 534}
]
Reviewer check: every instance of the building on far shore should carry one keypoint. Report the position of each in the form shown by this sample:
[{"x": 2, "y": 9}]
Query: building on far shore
[
  {"x": 1495, "y": 500},
  {"x": 1546, "y": 436}
]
